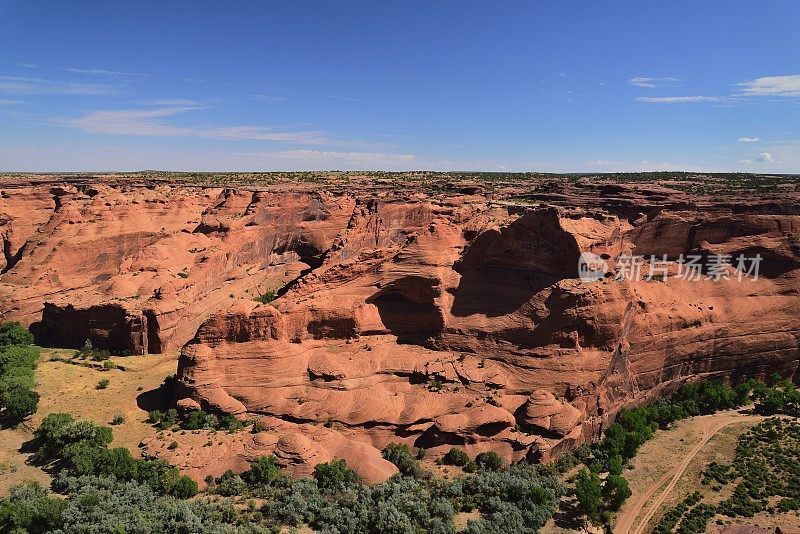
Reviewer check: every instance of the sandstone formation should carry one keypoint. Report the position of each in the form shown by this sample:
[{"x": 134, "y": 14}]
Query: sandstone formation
[{"x": 440, "y": 315}]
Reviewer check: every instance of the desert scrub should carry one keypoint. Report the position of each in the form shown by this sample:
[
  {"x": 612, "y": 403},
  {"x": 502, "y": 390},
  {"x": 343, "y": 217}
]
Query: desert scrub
[
  {"x": 266, "y": 298},
  {"x": 103, "y": 384}
]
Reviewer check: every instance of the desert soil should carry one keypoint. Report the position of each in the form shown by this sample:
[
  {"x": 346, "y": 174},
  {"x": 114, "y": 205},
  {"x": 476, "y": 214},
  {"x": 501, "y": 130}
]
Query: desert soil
[
  {"x": 72, "y": 388},
  {"x": 668, "y": 467}
]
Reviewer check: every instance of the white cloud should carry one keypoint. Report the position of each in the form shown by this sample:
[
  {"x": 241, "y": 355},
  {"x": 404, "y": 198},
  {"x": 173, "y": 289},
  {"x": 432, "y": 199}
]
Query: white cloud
[
  {"x": 772, "y": 86},
  {"x": 102, "y": 72},
  {"x": 146, "y": 123},
  {"x": 22, "y": 85},
  {"x": 26, "y": 65},
  {"x": 349, "y": 157},
  {"x": 268, "y": 97},
  {"x": 676, "y": 99},
  {"x": 651, "y": 83},
  {"x": 10, "y": 102},
  {"x": 749, "y": 139},
  {"x": 171, "y": 102},
  {"x": 764, "y": 157}
]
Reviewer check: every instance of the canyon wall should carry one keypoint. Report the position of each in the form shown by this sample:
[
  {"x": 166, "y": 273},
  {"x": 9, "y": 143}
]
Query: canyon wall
[{"x": 437, "y": 317}]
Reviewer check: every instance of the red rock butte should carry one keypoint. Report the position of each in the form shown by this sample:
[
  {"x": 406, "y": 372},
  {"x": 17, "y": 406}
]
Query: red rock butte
[{"x": 431, "y": 310}]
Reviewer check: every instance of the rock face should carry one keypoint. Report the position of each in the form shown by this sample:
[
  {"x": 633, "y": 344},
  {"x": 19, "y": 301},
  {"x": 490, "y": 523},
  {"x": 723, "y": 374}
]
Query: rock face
[
  {"x": 140, "y": 268},
  {"x": 436, "y": 317}
]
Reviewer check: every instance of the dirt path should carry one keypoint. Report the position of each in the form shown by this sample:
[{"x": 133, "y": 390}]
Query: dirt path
[{"x": 645, "y": 501}]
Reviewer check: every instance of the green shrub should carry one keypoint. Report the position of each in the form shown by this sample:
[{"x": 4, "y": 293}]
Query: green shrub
[
  {"x": 103, "y": 384},
  {"x": 264, "y": 471},
  {"x": 266, "y": 298},
  {"x": 335, "y": 475},
  {"x": 118, "y": 419},
  {"x": 489, "y": 460},
  {"x": 400, "y": 455},
  {"x": 13, "y": 333},
  {"x": 456, "y": 457}
]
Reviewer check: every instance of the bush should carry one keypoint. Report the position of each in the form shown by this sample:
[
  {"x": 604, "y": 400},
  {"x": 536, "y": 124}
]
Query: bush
[
  {"x": 489, "y": 460},
  {"x": 18, "y": 399},
  {"x": 13, "y": 333},
  {"x": 103, "y": 384},
  {"x": 266, "y": 298},
  {"x": 118, "y": 419},
  {"x": 230, "y": 423},
  {"x": 17, "y": 403},
  {"x": 400, "y": 455},
  {"x": 456, "y": 457},
  {"x": 335, "y": 475},
  {"x": 264, "y": 471},
  {"x": 29, "y": 508},
  {"x": 198, "y": 419}
]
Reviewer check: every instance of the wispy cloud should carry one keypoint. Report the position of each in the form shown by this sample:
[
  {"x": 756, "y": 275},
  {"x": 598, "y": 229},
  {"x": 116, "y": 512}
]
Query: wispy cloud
[
  {"x": 652, "y": 83},
  {"x": 677, "y": 99},
  {"x": 772, "y": 86},
  {"x": 23, "y": 85},
  {"x": 102, "y": 72},
  {"x": 350, "y": 98},
  {"x": 268, "y": 97},
  {"x": 749, "y": 139},
  {"x": 26, "y": 65},
  {"x": 349, "y": 157},
  {"x": 182, "y": 102},
  {"x": 150, "y": 122},
  {"x": 603, "y": 165},
  {"x": 10, "y": 102}
]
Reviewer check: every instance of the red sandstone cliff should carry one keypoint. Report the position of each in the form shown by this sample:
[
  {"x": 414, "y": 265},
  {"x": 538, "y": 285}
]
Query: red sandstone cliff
[{"x": 434, "y": 317}]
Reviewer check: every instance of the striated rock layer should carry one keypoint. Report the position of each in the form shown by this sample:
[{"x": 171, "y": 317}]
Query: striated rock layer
[{"x": 432, "y": 317}]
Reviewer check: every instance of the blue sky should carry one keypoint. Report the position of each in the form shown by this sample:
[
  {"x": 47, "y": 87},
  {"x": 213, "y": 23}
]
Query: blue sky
[{"x": 445, "y": 85}]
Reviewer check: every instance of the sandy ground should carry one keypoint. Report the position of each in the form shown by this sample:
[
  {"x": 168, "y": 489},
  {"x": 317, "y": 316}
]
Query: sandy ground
[
  {"x": 662, "y": 461},
  {"x": 71, "y": 388}
]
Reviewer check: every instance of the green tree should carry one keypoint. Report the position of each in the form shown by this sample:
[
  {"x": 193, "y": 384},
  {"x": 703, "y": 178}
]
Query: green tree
[
  {"x": 400, "y": 455},
  {"x": 490, "y": 461},
  {"x": 264, "y": 471},
  {"x": 588, "y": 491},
  {"x": 17, "y": 403},
  {"x": 615, "y": 492},
  {"x": 13, "y": 333},
  {"x": 335, "y": 475},
  {"x": 456, "y": 457}
]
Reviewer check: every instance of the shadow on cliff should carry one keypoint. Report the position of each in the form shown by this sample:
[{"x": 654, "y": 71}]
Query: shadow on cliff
[
  {"x": 160, "y": 398},
  {"x": 504, "y": 268},
  {"x": 408, "y": 310}
]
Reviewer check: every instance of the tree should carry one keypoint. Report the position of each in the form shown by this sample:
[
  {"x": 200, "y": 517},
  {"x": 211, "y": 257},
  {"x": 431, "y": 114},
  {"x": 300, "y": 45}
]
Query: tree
[
  {"x": 615, "y": 465},
  {"x": 400, "y": 455},
  {"x": 13, "y": 333},
  {"x": 17, "y": 403},
  {"x": 490, "y": 461},
  {"x": 615, "y": 492},
  {"x": 589, "y": 494},
  {"x": 29, "y": 508},
  {"x": 264, "y": 471},
  {"x": 335, "y": 475},
  {"x": 456, "y": 457}
]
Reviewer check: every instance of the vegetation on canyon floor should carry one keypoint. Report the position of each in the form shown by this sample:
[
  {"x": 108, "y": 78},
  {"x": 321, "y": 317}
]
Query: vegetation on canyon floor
[
  {"x": 103, "y": 489},
  {"x": 18, "y": 398},
  {"x": 765, "y": 473}
]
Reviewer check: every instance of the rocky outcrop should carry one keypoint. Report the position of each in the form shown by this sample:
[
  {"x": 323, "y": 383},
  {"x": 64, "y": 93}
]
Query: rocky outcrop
[{"x": 437, "y": 316}]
